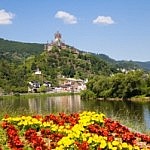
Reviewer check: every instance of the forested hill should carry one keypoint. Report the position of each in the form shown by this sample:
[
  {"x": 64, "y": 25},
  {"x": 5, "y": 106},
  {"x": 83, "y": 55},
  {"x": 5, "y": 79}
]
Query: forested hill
[
  {"x": 144, "y": 65},
  {"x": 125, "y": 64},
  {"x": 17, "y": 51},
  {"x": 14, "y": 51},
  {"x": 54, "y": 65}
]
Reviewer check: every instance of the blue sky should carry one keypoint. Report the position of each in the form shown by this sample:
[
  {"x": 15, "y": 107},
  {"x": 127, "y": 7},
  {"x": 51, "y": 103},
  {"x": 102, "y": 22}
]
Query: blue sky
[{"x": 117, "y": 28}]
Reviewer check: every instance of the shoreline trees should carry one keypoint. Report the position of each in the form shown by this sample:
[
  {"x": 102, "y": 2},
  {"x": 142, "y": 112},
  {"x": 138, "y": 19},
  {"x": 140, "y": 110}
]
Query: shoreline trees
[{"x": 120, "y": 85}]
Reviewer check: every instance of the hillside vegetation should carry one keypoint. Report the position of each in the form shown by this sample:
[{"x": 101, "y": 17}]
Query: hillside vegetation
[
  {"x": 53, "y": 65},
  {"x": 19, "y": 61},
  {"x": 15, "y": 51}
]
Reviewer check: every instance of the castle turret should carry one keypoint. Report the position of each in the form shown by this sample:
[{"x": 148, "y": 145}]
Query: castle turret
[
  {"x": 57, "y": 42},
  {"x": 57, "y": 36}
]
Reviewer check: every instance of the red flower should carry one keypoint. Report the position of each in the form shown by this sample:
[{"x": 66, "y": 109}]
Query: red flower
[
  {"x": 82, "y": 146},
  {"x": 36, "y": 141},
  {"x": 14, "y": 141},
  {"x": 4, "y": 125}
]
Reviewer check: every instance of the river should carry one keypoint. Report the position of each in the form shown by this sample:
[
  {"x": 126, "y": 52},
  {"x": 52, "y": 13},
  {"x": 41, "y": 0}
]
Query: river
[{"x": 134, "y": 114}]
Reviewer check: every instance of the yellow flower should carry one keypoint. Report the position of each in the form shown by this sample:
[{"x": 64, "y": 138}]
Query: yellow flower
[
  {"x": 54, "y": 127},
  {"x": 95, "y": 138},
  {"x": 124, "y": 145},
  {"x": 114, "y": 148},
  {"x": 61, "y": 129},
  {"x": 61, "y": 147},
  {"x": 136, "y": 148},
  {"x": 103, "y": 144},
  {"x": 25, "y": 123},
  {"x": 110, "y": 145},
  {"x": 28, "y": 118},
  {"x": 46, "y": 124},
  {"x": 16, "y": 119},
  {"x": 67, "y": 126},
  {"x": 35, "y": 121},
  {"x": 90, "y": 140},
  {"x": 115, "y": 143},
  {"x": 23, "y": 117},
  {"x": 66, "y": 142}
]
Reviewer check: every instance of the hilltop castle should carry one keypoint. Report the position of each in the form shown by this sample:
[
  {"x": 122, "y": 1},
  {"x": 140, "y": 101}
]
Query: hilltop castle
[{"x": 57, "y": 42}]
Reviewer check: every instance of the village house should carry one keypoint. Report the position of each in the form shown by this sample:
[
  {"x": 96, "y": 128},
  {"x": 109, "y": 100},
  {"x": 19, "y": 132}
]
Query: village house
[
  {"x": 37, "y": 72},
  {"x": 73, "y": 85},
  {"x": 68, "y": 85},
  {"x": 33, "y": 86}
]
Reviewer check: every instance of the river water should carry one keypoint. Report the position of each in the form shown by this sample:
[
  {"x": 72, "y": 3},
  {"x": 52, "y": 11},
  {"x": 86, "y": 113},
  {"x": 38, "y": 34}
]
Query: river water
[{"x": 136, "y": 114}]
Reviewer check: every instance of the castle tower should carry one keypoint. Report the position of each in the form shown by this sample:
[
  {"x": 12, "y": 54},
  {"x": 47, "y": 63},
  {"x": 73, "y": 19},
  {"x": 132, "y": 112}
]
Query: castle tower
[
  {"x": 57, "y": 39},
  {"x": 57, "y": 42},
  {"x": 57, "y": 36}
]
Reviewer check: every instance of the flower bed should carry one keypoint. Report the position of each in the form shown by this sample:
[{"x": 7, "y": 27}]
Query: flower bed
[{"x": 77, "y": 131}]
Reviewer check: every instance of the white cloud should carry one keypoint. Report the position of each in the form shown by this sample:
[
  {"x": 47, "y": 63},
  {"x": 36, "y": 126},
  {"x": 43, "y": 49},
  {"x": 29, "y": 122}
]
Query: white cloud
[
  {"x": 6, "y": 17},
  {"x": 66, "y": 17},
  {"x": 103, "y": 20}
]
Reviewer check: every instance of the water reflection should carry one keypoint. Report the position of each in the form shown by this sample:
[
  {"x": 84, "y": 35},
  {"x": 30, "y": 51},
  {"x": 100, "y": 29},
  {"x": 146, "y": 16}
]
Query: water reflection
[
  {"x": 146, "y": 116},
  {"x": 137, "y": 113},
  {"x": 55, "y": 104}
]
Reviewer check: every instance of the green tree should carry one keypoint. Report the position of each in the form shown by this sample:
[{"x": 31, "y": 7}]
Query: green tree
[{"x": 87, "y": 94}]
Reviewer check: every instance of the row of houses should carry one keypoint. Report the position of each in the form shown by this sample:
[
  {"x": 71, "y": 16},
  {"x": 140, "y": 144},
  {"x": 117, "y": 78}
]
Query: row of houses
[{"x": 69, "y": 85}]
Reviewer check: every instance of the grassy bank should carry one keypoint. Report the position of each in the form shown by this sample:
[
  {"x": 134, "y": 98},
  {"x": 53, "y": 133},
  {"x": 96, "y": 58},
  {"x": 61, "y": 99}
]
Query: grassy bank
[
  {"x": 136, "y": 99},
  {"x": 32, "y": 95}
]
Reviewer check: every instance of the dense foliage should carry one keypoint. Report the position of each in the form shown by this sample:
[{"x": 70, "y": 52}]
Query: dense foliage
[
  {"x": 120, "y": 85},
  {"x": 16, "y": 51},
  {"x": 53, "y": 65}
]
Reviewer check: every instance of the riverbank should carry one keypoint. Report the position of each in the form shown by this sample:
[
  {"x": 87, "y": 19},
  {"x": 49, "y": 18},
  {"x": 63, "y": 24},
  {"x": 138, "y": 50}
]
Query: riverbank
[
  {"x": 134, "y": 99},
  {"x": 32, "y": 95}
]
